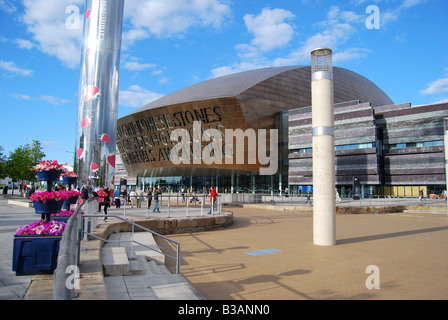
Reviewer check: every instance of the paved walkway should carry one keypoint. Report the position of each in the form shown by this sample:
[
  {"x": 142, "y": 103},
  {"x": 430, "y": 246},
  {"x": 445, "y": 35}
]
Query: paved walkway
[
  {"x": 12, "y": 217},
  {"x": 271, "y": 255}
]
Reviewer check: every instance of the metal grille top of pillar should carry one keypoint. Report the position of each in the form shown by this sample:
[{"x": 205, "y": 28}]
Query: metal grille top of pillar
[
  {"x": 445, "y": 126},
  {"x": 321, "y": 64}
]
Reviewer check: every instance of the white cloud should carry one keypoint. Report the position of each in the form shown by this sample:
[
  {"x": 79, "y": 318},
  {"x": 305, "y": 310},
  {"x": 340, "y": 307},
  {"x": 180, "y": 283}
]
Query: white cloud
[
  {"x": 167, "y": 18},
  {"x": 336, "y": 30},
  {"x": 350, "y": 54},
  {"x": 46, "y": 21},
  {"x": 332, "y": 37},
  {"x": 7, "y": 6},
  {"x": 53, "y": 100},
  {"x": 270, "y": 32},
  {"x": 437, "y": 86},
  {"x": 270, "y": 29},
  {"x": 136, "y": 96},
  {"x": 21, "y": 96},
  {"x": 137, "y": 66},
  {"x": 11, "y": 67},
  {"x": 164, "y": 80},
  {"x": 56, "y": 101},
  {"x": 250, "y": 58},
  {"x": 130, "y": 36},
  {"x": 391, "y": 15},
  {"x": 24, "y": 44}
]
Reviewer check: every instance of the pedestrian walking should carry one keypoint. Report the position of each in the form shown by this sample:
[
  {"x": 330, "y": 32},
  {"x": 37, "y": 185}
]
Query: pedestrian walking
[
  {"x": 156, "y": 200},
  {"x": 139, "y": 194},
  {"x": 133, "y": 196},
  {"x": 105, "y": 195},
  {"x": 308, "y": 198},
  {"x": 117, "y": 200},
  {"x": 149, "y": 197},
  {"x": 213, "y": 195}
]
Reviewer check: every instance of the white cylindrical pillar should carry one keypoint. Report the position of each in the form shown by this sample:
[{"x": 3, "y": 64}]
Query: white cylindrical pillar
[{"x": 324, "y": 202}]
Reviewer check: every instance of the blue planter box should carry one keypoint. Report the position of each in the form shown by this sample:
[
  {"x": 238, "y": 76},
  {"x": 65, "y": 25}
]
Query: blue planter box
[
  {"x": 50, "y": 206},
  {"x": 69, "y": 180},
  {"x": 72, "y": 200},
  {"x": 35, "y": 254},
  {"x": 61, "y": 219},
  {"x": 50, "y": 175}
]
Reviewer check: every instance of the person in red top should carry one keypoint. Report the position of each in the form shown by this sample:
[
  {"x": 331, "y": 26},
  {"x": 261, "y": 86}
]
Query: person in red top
[
  {"x": 213, "y": 195},
  {"x": 105, "y": 195}
]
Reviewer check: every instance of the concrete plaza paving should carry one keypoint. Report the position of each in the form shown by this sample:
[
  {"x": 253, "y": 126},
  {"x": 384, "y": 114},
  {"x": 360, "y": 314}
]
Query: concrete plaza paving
[
  {"x": 11, "y": 218},
  {"x": 271, "y": 255}
]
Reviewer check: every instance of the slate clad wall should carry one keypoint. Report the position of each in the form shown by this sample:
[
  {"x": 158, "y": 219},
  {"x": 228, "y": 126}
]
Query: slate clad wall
[
  {"x": 403, "y": 124},
  {"x": 354, "y": 124},
  {"x": 406, "y": 132}
]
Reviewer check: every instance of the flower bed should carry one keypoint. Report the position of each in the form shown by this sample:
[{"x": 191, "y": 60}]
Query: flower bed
[
  {"x": 65, "y": 213},
  {"x": 69, "y": 177},
  {"x": 42, "y": 228},
  {"x": 44, "y": 196},
  {"x": 48, "y": 165},
  {"x": 73, "y": 196}
]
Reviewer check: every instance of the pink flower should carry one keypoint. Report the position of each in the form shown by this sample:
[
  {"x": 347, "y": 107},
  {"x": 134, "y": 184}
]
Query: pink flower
[
  {"x": 40, "y": 227},
  {"x": 53, "y": 195},
  {"x": 70, "y": 174},
  {"x": 47, "y": 165}
]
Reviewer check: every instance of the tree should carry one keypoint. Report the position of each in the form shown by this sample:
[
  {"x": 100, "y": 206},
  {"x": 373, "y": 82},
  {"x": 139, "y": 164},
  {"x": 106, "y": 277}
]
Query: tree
[
  {"x": 22, "y": 159},
  {"x": 3, "y": 172}
]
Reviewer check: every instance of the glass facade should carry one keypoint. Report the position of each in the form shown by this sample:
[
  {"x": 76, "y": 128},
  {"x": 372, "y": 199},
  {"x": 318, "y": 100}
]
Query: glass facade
[{"x": 237, "y": 183}]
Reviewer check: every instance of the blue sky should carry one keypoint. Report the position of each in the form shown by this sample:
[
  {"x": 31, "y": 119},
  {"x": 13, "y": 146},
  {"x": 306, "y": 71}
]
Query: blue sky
[{"x": 171, "y": 44}]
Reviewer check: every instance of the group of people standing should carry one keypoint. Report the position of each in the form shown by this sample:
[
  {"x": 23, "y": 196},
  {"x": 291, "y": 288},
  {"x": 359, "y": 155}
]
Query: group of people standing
[{"x": 135, "y": 197}]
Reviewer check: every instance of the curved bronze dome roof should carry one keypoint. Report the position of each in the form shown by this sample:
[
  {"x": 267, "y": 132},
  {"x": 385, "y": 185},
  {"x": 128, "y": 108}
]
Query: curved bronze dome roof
[{"x": 348, "y": 86}]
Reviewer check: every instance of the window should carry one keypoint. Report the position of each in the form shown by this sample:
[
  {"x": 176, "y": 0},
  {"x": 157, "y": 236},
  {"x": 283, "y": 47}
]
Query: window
[{"x": 413, "y": 145}]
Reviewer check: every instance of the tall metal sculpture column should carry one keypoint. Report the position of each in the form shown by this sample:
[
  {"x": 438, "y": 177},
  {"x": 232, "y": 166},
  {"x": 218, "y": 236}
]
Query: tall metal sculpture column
[
  {"x": 322, "y": 95},
  {"x": 98, "y": 92}
]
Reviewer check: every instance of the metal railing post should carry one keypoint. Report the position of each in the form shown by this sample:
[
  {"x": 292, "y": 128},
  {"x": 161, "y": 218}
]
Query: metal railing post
[
  {"x": 178, "y": 259},
  {"x": 188, "y": 213}
]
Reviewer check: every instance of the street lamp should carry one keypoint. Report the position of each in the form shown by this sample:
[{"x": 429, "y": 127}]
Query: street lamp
[{"x": 322, "y": 99}]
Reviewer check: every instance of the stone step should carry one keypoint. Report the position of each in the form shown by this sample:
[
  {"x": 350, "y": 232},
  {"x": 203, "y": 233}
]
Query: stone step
[
  {"x": 155, "y": 268},
  {"x": 172, "y": 287},
  {"x": 115, "y": 261},
  {"x": 147, "y": 239},
  {"x": 135, "y": 268}
]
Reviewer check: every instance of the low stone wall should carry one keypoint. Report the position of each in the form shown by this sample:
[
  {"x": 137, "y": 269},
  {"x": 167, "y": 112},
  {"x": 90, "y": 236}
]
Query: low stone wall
[
  {"x": 339, "y": 210},
  {"x": 167, "y": 226}
]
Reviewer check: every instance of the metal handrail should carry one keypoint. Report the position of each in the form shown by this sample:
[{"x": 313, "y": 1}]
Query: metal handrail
[
  {"x": 194, "y": 199},
  {"x": 177, "y": 258},
  {"x": 70, "y": 247},
  {"x": 69, "y": 252}
]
